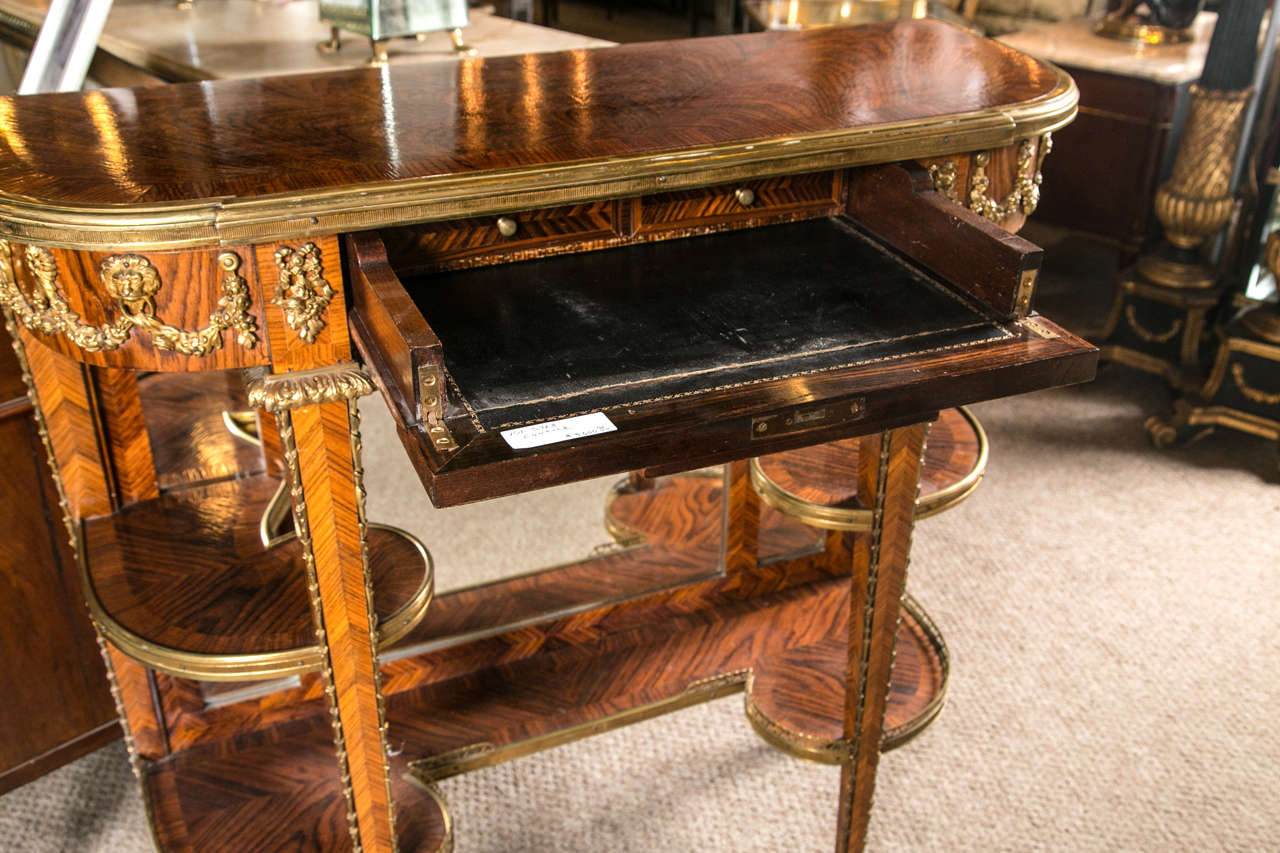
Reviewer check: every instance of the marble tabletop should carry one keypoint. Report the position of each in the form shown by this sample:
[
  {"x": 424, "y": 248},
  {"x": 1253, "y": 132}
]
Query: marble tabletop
[
  {"x": 1073, "y": 43},
  {"x": 218, "y": 39}
]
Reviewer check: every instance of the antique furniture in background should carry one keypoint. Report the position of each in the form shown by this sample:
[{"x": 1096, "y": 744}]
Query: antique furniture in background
[
  {"x": 1111, "y": 158},
  {"x": 1240, "y": 390},
  {"x": 756, "y": 266},
  {"x": 1165, "y": 303}
]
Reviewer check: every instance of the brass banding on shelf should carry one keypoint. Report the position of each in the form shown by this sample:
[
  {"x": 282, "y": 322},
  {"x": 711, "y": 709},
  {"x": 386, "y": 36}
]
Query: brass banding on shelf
[
  {"x": 258, "y": 665},
  {"x": 838, "y": 750},
  {"x": 859, "y": 518},
  {"x": 485, "y": 754}
]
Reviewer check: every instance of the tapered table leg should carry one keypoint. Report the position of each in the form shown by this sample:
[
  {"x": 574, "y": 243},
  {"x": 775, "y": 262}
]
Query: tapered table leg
[
  {"x": 312, "y": 390},
  {"x": 888, "y": 480}
]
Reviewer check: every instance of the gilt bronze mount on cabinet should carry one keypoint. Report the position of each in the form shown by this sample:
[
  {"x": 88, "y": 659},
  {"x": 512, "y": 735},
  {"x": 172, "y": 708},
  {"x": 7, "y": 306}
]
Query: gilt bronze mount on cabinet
[{"x": 755, "y": 255}]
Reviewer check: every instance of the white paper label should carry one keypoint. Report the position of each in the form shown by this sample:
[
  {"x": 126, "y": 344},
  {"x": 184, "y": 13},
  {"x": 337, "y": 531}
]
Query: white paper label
[{"x": 551, "y": 432}]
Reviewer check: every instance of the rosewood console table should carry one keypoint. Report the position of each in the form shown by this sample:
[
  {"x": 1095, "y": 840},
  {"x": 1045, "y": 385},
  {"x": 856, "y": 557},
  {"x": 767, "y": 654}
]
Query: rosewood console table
[{"x": 659, "y": 257}]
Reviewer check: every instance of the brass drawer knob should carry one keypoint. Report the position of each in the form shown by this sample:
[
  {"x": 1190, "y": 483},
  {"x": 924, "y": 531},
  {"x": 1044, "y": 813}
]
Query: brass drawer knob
[
  {"x": 507, "y": 226},
  {"x": 745, "y": 196}
]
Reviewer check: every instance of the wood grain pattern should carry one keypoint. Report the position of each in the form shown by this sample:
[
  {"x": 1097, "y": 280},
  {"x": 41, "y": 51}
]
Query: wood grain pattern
[
  {"x": 327, "y": 473},
  {"x": 188, "y": 571},
  {"x": 141, "y": 717},
  {"x": 356, "y": 127},
  {"x": 459, "y": 243},
  {"x": 889, "y": 474},
  {"x": 288, "y": 350},
  {"x": 416, "y": 249},
  {"x": 71, "y": 415},
  {"x": 900, "y": 207},
  {"x": 124, "y": 432},
  {"x": 827, "y": 474},
  {"x": 741, "y": 529},
  {"x": 274, "y": 790},
  {"x": 814, "y": 194},
  {"x": 801, "y": 692}
]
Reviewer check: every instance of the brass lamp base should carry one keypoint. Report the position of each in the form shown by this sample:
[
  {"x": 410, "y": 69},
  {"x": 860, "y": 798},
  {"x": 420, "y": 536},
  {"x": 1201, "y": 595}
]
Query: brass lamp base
[{"x": 1178, "y": 275}]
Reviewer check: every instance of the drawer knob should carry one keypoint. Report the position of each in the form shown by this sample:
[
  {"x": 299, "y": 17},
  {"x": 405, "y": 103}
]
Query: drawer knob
[
  {"x": 507, "y": 226},
  {"x": 745, "y": 196}
]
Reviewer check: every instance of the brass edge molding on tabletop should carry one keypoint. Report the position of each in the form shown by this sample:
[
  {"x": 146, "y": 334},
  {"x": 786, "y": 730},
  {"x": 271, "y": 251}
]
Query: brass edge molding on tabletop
[{"x": 308, "y": 214}]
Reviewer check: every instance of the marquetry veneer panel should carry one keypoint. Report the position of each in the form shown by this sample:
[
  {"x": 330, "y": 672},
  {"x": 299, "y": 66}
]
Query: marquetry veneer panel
[{"x": 188, "y": 572}]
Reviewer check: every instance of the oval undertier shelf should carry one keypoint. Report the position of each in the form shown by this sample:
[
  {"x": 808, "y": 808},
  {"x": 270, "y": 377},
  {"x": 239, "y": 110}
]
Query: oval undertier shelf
[
  {"x": 795, "y": 701},
  {"x": 184, "y": 584},
  {"x": 818, "y": 484}
]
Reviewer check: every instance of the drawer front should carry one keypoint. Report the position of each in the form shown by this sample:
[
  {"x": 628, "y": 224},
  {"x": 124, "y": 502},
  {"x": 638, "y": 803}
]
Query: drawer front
[
  {"x": 816, "y": 193},
  {"x": 458, "y": 241}
]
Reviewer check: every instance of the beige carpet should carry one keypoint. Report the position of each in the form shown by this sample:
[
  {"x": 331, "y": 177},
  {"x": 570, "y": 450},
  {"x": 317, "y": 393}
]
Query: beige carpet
[{"x": 1112, "y": 615}]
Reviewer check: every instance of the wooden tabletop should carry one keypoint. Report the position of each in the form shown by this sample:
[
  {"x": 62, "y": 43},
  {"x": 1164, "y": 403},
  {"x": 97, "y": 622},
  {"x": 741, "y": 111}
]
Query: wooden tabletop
[{"x": 344, "y": 144}]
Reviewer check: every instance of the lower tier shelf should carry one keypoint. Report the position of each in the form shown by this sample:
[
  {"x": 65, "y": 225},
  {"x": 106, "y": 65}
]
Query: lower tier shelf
[
  {"x": 275, "y": 791},
  {"x": 514, "y": 709},
  {"x": 195, "y": 583},
  {"x": 818, "y": 484},
  {"x": 795, "y": 701}
]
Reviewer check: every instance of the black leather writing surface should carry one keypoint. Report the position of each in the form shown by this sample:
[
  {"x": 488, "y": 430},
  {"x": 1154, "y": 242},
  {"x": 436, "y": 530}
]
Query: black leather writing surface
[{"x": 572, "y": 334}]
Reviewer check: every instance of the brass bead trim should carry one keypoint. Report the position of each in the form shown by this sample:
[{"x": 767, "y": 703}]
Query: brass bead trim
[
  {"x": 1131, "y": 317},
  {"x": 353, "y": 422},
  {"x": 261, "y": 665},
  {"x": 839, "y": 750},
  {"x": 868, "y": 609},
  {"x": 302, "y": 294},
  {"x": 859, "y": 519},
  {"x": 376, "y": 205},
  {"x": 133, "y": 282},
  {"x": 282, "y": 391},
  {"x": 303, "y": 528},
  {"x": 1253, "y": 394}
]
